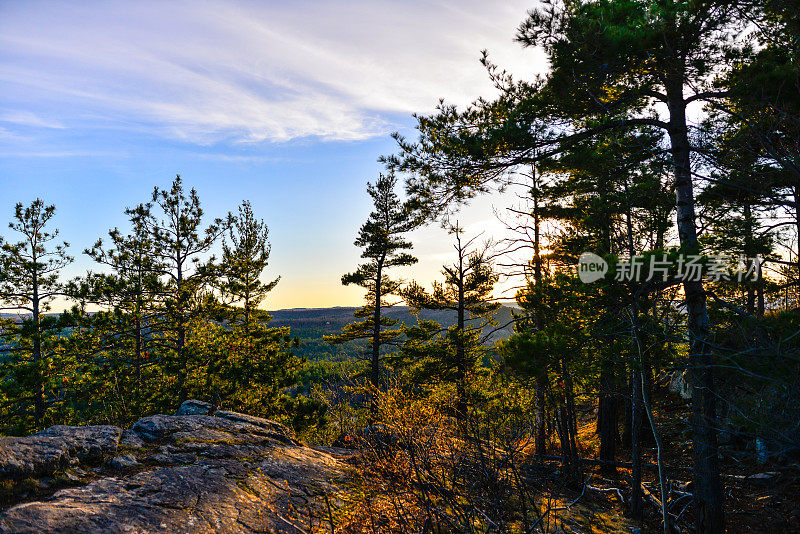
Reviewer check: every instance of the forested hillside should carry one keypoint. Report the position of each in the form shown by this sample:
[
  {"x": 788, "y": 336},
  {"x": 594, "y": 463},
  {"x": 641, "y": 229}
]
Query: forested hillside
[{"x": 311, "y": 325}]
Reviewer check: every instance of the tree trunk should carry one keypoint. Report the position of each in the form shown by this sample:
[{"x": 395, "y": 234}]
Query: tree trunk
[
  {"x": 749, "y": 252},
  {"x": 461, "y": 389},
  {"x": 138, "y": 359},
  {"x": 606, "y": 402},
  {"x": 183, "y": 360},
  {"x": 537, "y": 254},
  {"x": 797, "y": 226},
  {"x": 708, "y": 494},
  {"x": 541, "y": 379},
  {"x": 607, "y": 416},
  {"x": 627, "y": 416},
  {"x": 376, "y": 342},
  {"x": 759, "y": 292},
  {"x": 541, "y": 414},
  {"x": 38, "y": 401},
  {"x": 645, "y": 395},
  {"x": 568, "y": 425},
  {"x": 636, "y": 444},
  {"x": 636, "y": 417}
]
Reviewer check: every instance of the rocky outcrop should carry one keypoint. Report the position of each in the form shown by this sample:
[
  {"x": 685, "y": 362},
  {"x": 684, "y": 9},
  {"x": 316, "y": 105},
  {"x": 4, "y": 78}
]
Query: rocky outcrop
[
  {"x": 188, "y": 472},
  {"x": 53, "y": 449}
]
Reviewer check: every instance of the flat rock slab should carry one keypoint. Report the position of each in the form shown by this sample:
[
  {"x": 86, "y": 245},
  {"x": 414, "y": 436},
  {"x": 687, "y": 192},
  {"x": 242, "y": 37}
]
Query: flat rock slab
[
  {"x": 55, "y": 448},
  {"x": 196, "y": 473}
]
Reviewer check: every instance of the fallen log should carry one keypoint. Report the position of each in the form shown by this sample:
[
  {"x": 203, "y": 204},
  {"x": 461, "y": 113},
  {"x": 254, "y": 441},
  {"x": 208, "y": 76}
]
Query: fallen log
[{"x": 615, "y": 491}]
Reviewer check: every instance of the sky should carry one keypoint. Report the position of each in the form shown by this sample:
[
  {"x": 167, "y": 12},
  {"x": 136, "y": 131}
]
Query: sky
[{"x": 287, "y": 104}]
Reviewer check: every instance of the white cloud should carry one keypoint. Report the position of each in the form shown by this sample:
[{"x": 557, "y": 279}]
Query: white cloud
[
  {"x": 8, "y": 135},
  {"x": 26, "y": 118},
  {"x": 248, "y": 71}
]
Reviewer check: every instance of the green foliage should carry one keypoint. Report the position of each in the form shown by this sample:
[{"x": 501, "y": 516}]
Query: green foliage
[
  {"x": 383, "y": 245},
  {"x": 455, "y": 355},
  {"x": 29, "y": 282},
  {"x": 179, "y": 243},
  {"x": 127, "y": 325},
  {"x": 249, "y": 368},
  {"x": 245, "y": 255},
  {"x": 172, "y": 322}
]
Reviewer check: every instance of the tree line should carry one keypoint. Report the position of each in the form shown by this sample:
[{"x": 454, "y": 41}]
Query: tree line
[{"x": 161, "y": 321}]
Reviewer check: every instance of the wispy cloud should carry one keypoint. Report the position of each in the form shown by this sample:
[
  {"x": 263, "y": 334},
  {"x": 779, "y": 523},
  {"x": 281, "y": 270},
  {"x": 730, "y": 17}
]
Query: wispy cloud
[
  {"x": 229, "y": 158},
  {"x": 8, "y": 135},
  {"x": 26, "y": 118},
  {"x": 247, "y": 71}
]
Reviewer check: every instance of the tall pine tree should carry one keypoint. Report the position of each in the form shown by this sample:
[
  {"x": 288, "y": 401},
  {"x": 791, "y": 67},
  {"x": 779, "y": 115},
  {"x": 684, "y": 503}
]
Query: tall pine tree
[
  {"x": 129, "y": 315},
  {"x": 383, "y": 245},
  {"x": 467, "y": 291},
  {"x": 180, "y": 249}
]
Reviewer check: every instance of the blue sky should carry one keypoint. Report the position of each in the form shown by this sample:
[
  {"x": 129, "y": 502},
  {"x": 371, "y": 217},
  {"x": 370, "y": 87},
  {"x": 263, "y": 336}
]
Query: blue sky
[{"x": 287, "y": 104}]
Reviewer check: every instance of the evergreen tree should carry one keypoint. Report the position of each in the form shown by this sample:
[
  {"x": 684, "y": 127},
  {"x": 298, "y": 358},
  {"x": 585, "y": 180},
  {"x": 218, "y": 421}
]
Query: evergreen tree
[
  {"x": 755, "y": 132},
  {"x": 245, "y": 255},
  {"x": 180, "y": 249},
  {"x": 29, "y": 283},
  {"x": 609, "y": 197},
  {"x": 383, "y": 246},
  {"x": 246, "y": 364},
  {"x": 735, "y": 203},
  {"x": 249, "y": 372},
  {"x": 466, "y": 290},
  {"x": 615, "y": 60},
  {"x": 549, "y": 336},
  {"x": 129, "y": 316}
]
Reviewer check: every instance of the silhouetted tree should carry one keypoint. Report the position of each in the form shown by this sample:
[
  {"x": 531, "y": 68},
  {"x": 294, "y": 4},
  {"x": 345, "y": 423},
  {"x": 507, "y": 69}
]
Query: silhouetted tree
[
  {"x": 383, "y": 245},
  {"x": 466, "y": 290}
]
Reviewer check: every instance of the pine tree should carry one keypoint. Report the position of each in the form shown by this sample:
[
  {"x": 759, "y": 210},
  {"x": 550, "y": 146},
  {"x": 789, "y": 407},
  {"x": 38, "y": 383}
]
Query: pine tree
[
  {"x": 466, "y": 290},
  {"x": 548, "y": 339},
  {"x": 735, "y": 203},
  {"x": 383, "y": 245},
  {"x": 127, "y": 296},
  {"x": 180, "y": 248},
  {"x": 29, "y": 283},
  {"x": 245, "y": 255},
  {"x": 248, "y": 364},
  {"x": 615, "y": 60},
  {"x": 756, "y": 137},
  {"x": 609, "y": 197}
]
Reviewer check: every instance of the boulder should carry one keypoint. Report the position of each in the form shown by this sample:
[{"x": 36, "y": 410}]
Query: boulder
[
  {"x": 131, "y": 439},
  {"x": 267, "y": 424},
  {"x": 124, "y": 462},
  {"x": 194, "y": 407}
]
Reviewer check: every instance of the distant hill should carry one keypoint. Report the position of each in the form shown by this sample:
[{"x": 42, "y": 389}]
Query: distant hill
[{"x": 311, "y": 324}]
